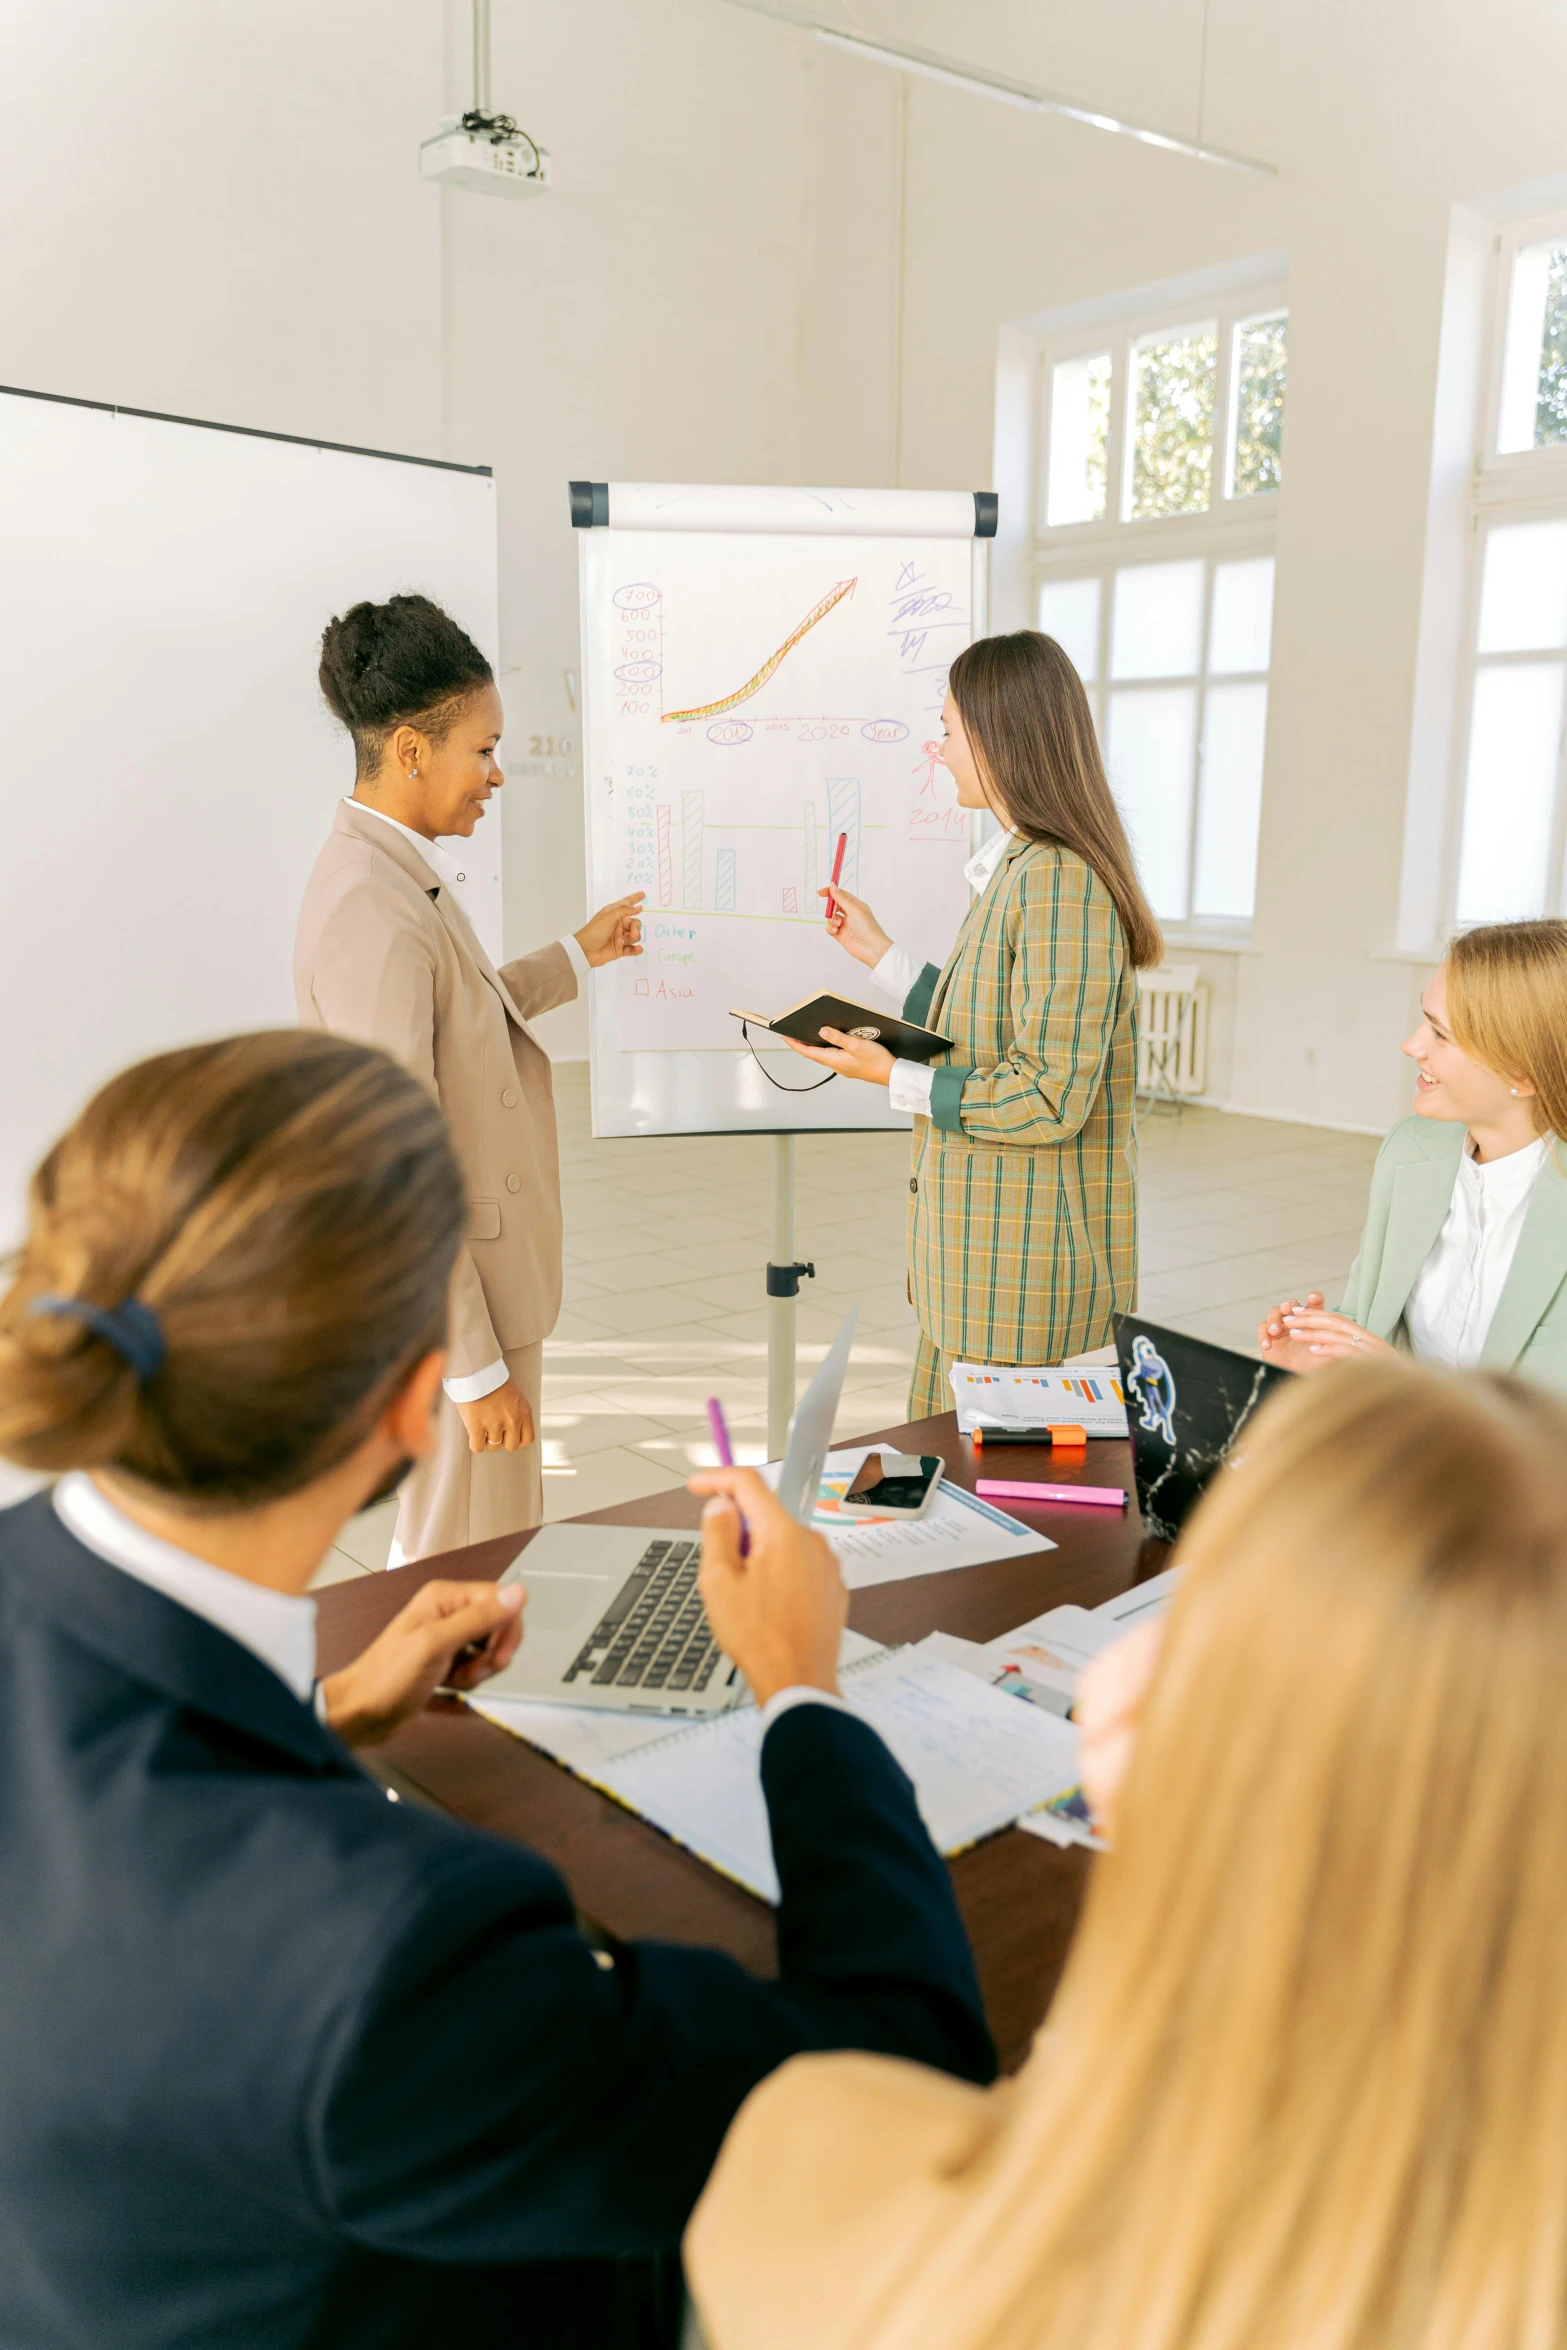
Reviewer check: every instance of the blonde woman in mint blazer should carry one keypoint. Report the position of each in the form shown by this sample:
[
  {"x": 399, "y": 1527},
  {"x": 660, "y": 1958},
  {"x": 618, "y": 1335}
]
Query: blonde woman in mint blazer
[
  {"x": 1023, "y": 1186},
  {"x": 1464, "y": 1256}
]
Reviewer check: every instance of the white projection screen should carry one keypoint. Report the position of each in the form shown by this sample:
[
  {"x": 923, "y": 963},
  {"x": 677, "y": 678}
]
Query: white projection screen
[{"x": 171, "y": 772}]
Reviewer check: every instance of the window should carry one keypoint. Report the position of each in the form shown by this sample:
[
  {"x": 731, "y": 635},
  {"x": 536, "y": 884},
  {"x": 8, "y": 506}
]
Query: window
[
  {"x": 1505, "y": 860},
  {"x": 1175, "y": 659},
  {"x": 1153, "y": 560},
  {"x": 1533, "y": 412}
]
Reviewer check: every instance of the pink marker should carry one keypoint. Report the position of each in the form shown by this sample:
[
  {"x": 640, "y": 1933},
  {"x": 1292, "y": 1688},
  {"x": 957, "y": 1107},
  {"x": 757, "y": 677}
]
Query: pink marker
[
  {"x": 1007, "y": 1489},
  {"x": 726, "y": 1458}
]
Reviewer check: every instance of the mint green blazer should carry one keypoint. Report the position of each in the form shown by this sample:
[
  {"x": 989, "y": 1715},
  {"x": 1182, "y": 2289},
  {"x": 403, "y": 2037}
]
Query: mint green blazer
[{"x": 1411, "y": 1192}]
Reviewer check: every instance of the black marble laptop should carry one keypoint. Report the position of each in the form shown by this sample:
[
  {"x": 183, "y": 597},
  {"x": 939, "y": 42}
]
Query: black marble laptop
[{"x": 1186, "y": 1402}]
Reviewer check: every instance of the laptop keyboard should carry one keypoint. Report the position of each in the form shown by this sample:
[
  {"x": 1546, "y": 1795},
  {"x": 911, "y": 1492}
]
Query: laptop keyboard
[{"x": 654, "y": 1634}]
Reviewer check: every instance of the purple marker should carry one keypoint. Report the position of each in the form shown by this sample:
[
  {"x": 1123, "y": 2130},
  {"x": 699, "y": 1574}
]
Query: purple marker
[{"x": 726, "y": 1458}]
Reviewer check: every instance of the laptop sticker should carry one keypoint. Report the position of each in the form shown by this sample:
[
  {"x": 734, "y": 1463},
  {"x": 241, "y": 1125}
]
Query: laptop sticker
[{"x": 1153, "y": 1388}]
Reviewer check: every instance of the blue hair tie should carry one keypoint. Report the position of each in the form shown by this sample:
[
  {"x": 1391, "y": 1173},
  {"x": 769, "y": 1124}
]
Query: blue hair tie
[{"x": 131, "y": 1328}]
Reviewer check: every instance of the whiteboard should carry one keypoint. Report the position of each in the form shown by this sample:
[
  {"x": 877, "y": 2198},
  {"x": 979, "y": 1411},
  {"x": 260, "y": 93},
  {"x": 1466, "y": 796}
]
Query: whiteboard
[
  {"x": 763, "y": 675},
  {"x": 172, "y": 771}
]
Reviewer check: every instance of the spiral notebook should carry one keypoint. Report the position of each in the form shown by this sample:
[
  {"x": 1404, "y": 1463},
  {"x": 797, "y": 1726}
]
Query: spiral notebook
[{"x": 978, "y": 1761}]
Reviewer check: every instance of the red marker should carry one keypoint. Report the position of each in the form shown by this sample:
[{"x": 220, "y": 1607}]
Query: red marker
[{"x": 837, "y": 869}]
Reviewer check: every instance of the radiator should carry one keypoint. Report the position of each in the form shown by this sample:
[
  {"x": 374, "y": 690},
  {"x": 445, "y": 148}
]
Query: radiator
[{"x": 1172, "y": 1051}]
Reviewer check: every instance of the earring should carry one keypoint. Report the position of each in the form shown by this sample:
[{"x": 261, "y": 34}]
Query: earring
[
  {"x": 413, "y": 774},
  {"x": 1513, "y": 1090}
]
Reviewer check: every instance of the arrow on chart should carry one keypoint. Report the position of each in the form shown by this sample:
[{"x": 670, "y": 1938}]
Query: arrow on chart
[{"x": 752, "y": 685}]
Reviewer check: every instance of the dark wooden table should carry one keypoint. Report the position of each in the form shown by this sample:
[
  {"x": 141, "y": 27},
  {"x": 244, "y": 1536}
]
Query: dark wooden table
[{"x": 1019, "y": 1896}]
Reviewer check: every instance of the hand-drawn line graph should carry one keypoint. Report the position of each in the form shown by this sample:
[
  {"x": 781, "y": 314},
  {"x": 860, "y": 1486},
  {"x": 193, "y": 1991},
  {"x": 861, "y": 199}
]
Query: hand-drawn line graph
[{"x": 845, "y": 587}]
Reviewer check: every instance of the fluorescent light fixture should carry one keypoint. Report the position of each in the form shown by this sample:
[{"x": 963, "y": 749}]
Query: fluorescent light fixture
[{"x": 979, "y": 83}]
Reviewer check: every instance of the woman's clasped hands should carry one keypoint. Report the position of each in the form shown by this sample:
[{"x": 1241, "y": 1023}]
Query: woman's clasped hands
[{"x": 1302, "y": 1335}]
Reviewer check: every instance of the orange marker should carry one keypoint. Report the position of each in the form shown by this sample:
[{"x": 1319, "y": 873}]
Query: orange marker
[{"x": 1064, "y": 1436}]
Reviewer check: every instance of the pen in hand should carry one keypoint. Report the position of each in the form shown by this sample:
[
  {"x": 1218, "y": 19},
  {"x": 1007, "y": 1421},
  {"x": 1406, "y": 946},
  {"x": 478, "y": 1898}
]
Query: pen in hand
[
  {"x": 726, "y": 1458},
  {"x": 837, "y": 874}
]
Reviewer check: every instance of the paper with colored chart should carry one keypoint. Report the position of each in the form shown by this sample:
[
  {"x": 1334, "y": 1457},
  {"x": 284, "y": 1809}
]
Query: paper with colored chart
[
  {"x": 1039, "y": 1662},
  {"x": 1062, "y": 1815},
  {"x": 957, "y": 1530},
  {"x": 1088, "y": 1397}
]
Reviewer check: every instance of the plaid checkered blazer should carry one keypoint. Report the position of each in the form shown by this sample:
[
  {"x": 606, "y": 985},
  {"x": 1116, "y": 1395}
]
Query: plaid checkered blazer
[{"x": 1023, "y": 1187}]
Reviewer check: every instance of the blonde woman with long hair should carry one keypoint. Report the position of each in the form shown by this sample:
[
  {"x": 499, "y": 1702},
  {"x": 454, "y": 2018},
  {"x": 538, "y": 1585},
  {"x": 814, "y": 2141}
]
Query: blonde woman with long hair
[
  {"x": 1464, "y": 1255},
  {"x": 1304, "y": 2082}
]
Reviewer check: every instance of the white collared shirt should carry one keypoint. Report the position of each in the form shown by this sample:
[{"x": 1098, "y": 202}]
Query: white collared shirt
[
  {"x": 784, "y": 1701},
  {"x": 1451, "y": 1306},
  {"x": 453, "y": 875},
  {"x": 449, "y": 870},
  {"x": 273, "y": 1625},
  {"x": 909, "y": 1086}
]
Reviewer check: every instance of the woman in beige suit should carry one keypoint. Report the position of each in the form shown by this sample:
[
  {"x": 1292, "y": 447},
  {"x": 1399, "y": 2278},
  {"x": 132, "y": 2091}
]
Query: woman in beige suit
[
  {"x": 386, "y": 953},
  {"x": 1302, "y": 2085}
]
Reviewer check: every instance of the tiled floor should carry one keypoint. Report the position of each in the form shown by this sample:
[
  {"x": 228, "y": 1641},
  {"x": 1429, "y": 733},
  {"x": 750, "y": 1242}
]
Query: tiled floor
[{"x": 664, "y": 1306}]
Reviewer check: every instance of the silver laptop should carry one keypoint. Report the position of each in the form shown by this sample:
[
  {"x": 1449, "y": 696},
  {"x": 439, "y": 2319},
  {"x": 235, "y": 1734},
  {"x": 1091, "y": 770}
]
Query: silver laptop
[{"x": 614, "y": 1617}]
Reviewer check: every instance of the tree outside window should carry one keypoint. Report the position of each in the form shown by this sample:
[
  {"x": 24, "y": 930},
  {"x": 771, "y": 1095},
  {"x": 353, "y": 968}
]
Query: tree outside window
[
  {"x": 1256, "y": 462},
  {"x": 1172, "y": 423}
]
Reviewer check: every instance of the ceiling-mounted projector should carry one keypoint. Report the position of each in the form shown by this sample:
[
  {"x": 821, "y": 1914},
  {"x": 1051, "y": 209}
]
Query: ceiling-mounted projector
[
  {"x": 482, "y": 149},
  {"x": 487, "y": 152}
]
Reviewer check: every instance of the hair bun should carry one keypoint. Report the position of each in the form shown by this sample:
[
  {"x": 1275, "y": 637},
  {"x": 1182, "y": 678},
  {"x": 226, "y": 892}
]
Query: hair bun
[
  {"x": 277, "y": 1216},
  {"x": 385, "y": 664}
]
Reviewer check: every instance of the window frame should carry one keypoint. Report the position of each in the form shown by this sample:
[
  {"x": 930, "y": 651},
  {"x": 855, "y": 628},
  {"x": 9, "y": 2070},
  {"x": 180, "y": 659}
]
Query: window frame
[
  {"x": 1505, "y": 475},
  {"x": 1121, "y": 339},
  {"x": 1510, "y": 487},
  {"x": 1229, "y": 528},
  {"x": 1236, "y": 542},
  {"x": 1488, "y": 516}
]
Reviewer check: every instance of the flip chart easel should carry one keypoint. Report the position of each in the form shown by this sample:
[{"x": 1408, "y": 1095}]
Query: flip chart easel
[{"x": 763, "y": 670}]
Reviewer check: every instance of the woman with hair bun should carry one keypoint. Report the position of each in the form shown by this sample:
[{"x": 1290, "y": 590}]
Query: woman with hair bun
[{"x": 386, "y": 953}]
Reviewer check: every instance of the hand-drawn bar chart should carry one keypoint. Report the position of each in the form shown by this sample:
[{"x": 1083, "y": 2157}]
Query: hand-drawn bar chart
[{"x": 753, "y": 711}]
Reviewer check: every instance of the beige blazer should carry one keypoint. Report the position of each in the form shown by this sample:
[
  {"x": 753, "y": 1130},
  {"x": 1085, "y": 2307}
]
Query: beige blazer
[
  {"x": 842, "y": 2180},
  {"x": 385, "y": 953}
]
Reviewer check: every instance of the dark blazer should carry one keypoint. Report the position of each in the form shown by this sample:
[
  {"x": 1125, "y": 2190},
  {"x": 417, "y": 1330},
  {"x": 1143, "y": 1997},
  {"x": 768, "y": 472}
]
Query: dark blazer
[{"x": 285, "y": 2064}]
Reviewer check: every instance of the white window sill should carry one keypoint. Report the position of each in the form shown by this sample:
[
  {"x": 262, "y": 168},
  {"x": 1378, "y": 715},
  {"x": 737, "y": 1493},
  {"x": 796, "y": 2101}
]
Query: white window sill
[
  {"x": 1210, "y": 942},
  {"x": 1426, "y": 957}
]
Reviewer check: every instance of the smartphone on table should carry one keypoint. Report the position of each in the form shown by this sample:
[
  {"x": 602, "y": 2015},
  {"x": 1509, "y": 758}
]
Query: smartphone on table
[{"x": 893, "y": 1484}]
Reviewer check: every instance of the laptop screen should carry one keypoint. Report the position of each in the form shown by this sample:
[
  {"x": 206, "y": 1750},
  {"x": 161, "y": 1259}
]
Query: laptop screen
[{"x": 1186, "y": 1402}]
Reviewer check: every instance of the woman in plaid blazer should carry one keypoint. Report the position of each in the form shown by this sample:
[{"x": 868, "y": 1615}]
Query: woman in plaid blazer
[{"x": 1023, "y": 1187}]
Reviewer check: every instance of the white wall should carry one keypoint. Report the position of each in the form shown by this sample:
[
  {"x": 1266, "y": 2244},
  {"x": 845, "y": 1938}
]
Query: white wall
[
  {"x": 1380, "y": 121},
  {"x": 745, "y": 232},
  {"x": 640, "y": 322},
  {"x": 217, "y": 211}
]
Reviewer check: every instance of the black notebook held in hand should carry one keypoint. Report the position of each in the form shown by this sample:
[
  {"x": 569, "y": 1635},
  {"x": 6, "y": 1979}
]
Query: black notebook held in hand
[{"x": 806, "y": 1020}]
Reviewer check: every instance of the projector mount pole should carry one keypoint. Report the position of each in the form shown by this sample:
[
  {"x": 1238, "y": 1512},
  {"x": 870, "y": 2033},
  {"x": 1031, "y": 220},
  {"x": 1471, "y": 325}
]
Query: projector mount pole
[
  {"x": 481, "y": 56},
  {"x": 784, "y": 1275}
]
